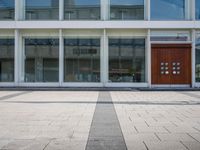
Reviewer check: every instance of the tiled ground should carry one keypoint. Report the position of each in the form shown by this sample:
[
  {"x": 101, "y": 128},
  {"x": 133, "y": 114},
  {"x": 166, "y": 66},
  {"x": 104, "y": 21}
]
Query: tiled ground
[
  {"x": 61, "y": 120},
  {"x": 172, "y": 126}
]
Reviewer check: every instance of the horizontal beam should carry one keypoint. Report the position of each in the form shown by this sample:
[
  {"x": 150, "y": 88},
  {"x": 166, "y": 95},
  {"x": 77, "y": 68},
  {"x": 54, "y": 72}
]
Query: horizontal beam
[{"x": 99, "y": 24}]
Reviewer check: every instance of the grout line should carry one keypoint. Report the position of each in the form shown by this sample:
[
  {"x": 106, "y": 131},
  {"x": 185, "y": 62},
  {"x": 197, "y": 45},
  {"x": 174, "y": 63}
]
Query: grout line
[
  {"x": 157, "y": 137},
  {"x": 184, "y": 145}
]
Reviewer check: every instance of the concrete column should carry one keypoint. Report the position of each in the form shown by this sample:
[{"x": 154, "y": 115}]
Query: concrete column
[
  {"x": 105, "y": 9},
  {"x": 148, "y": 9},
  {"x": 104, "y": 58},
  {"x": 61, "y": 58},
  {"x": 61, "y": 10},
  {"x": 193, "y": 57},
  {"x": 148, "y": 56},
  {"x": 16, "y": 65}
]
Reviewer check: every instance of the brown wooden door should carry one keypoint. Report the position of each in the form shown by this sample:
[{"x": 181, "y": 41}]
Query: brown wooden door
[{"x": 171, "y": 64}]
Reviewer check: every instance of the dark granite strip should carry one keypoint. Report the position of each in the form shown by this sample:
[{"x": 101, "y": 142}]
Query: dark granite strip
[
  {"x": 105, "y": 131},
  {"x": 175, "y": 103},
  {"x": 13, "y": 95}
]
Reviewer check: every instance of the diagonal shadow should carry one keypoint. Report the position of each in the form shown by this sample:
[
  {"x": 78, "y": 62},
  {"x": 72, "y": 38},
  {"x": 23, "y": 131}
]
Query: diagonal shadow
[{"x": 13, "y": 95}]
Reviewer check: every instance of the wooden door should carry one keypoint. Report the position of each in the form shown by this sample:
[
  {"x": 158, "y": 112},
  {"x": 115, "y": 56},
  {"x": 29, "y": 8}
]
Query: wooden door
[{"x": 171, "y": 64}]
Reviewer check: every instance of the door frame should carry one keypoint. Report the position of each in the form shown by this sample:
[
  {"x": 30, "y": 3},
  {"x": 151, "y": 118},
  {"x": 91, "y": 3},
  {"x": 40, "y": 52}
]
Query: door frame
[{"x": 171, "y": 45}]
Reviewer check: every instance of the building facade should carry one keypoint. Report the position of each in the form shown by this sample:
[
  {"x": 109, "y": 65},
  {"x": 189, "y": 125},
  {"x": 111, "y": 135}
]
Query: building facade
[{"x": 100, "y": 43}]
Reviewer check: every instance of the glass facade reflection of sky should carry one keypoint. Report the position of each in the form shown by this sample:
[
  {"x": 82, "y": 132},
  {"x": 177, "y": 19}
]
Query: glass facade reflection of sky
[
  {"x": 42, "y": 9},
  {"x": 82, "y": 9},
  {"x": 7, "y": 9},
  {"x": 198, "y": 9},
  {"x": 198, "y": 59},
  {"x": 6, "y": 60},
  {"x": 167, "y": 9},
  {"x": 127, "y": 10}
]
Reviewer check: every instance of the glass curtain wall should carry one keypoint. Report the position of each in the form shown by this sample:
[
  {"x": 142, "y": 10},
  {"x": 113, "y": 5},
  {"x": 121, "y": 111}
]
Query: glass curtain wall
[
  {"x": 82, "y": 9},
  {"x": 198, "y": 58},
  {"x": 42, "y": 9},
  {"x": 127, "y": 10},
  {"x": 168, "y": 10},
  {"x": 197, "y": 9},
  {"x": 41, "y": 60},
  {"x": 127, "y": 60},
  {"x": 6, "y": 60},
  {"x": 82, "y": 60},
  {"x": 7, "y": 9}
]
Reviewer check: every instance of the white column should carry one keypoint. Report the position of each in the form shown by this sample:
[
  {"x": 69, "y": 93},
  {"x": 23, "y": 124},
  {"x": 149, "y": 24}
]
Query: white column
[
  {"x": 61, "y": 57},
  {"x": 148, "y": 9},
  {"x": 148, "y": 56},
  {"x": 19, "y": 10},
  {"x": 188, "y": 5},
  {"x": 16, "y": 65},
  {"x": 61, "y": 10},
  {"x": 193, "y": 57},
  {"x": 105, "y": 9},
  {"x": 193, "y": 9},
  {"x": 104, "y": 58}
]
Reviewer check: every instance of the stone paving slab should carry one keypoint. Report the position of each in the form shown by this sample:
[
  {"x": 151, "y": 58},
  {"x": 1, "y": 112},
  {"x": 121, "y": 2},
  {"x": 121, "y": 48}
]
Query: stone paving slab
[{"x": 59, "y": 120}]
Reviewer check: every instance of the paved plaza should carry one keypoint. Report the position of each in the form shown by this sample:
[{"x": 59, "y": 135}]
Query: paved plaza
[{"x": 93, "y": 120}]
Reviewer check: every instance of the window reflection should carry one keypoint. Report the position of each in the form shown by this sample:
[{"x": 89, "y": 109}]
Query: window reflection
[
  {"x": 82, "y": 9},
  {"x": 82, "y": 60},
  {"x": 198, "y": 59},
  {"x": 42, "y": 9},
  {"x": 7, "y": 9},
  {"x": 198, "y": 9},
  {"x": 127, "y": 60},
  {"x": 127, "y": 10},
  {"x": 41, "y": 60},
  {"x": 6, "y": 60},
  {"x": 168, "y": 9}
]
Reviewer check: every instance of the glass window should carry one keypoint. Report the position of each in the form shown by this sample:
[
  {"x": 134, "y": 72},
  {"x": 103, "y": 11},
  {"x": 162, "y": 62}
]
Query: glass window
[
  {"x": 6, "y": 60},
  {"x": 82, "y": 60},
  {"x": 198, "y": 9},
  {"x": 41, "y": 60},
  {"x": 168, "y": 9},
  {"x": 127, "y": 10},
  {"x": 7, "y": 9},
  {"x": 198, "y": 59},
  {"x": 127, "y": 60},
  {"x": 42, "y": 9},
  {"x": 82, "y": 9}
]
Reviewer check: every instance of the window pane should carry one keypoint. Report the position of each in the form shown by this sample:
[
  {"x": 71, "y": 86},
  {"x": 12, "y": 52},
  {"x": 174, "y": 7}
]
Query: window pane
[
  {"x": 167, "y": 9},
  {"x": 41, "y": 60},
  {"x": 7, "y": 9},
  {"x": 198, "y": 59},
  {"x": 82, "y": 9},
  {"x": 42, "y": 9},
  {"x": 82, "y": 60},
  {"x": 127, "y": 60},
  {"x": 198, "y": 9},
  {"x": 6, "y": 60},
  {"x": 127, "y": 10}
]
